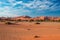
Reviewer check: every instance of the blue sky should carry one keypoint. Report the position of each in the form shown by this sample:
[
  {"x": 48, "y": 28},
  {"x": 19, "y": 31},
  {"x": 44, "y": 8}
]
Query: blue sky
[{"x": 33, "y": 8}]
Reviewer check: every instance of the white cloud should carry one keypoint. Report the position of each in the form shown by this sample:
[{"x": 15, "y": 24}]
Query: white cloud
[
  {"x": 7, "y": 11},
  {"x": 7, "y": 14},
  {"x": 44, "y": 7},
  {"x": 1, "y": 2},
  {"x": 20, "y": 2},
  {"x": 11, "y": 0},
  {"x": 35, "y": 4},
  {"x": 55, "y": 7}
]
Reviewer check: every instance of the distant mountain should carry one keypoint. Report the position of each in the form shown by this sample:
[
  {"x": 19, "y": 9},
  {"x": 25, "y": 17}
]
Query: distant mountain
[
  {"x": 21, "y": 18},
  {"x": 30, "y": 18}
]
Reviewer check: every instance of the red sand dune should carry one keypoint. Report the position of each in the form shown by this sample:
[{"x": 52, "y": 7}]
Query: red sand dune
[
  {"x": 29, "y": 18},
  {"x": 28, "y": 31}
]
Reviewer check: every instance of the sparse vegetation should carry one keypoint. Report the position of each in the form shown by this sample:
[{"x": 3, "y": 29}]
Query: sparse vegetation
[
  {"x": 38, "y": 20},
  {"x": 37, "y": 23},
  {"x": 19, "y": 20},
  {"x": 9, "y": 23},
  {"x": 28, "y": 29},
  {"x": 58, "y": 20},
  {"x": 31, "y": 20},
  {"x": 41, "y": 20},
  {"x": 36, "y": 36},
  {"x": 26, "y": 20}
]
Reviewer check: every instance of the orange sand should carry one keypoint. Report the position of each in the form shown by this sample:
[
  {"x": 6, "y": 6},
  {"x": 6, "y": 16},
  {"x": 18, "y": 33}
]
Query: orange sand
[{"x": 46, "y": 31}]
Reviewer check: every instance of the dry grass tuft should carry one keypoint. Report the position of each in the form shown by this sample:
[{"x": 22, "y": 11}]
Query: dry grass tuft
[
  {"x": 36, "y": 36},
  {"x": 37, "y": 23},
  {"x": 9, "y": 23}
]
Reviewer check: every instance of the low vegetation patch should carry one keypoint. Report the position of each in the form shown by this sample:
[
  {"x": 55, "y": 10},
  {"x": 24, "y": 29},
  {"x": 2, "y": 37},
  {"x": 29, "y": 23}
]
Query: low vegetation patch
[
  {"x": 31, "y": 20},
  {"x": 9, "y": 23},
  {"x": 28, "y": 29},
  {"x": 36, "y": 36},
  {"x": 37, "y": 23}
]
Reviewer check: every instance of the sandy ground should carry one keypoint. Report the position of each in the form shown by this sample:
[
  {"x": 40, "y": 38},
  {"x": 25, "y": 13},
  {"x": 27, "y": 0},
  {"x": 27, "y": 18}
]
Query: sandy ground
[{"x": 28, "y": 31}]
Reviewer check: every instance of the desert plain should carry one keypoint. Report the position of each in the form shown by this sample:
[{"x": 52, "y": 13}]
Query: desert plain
[{"x": 30, "y": 31}]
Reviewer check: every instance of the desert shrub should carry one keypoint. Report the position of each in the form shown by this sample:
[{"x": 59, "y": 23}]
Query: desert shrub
[
  {"x": 24, "y": 20},
  {"x": 9, "y": 23},
  {"x": 2, "y": 21},
  {"x": 52, "y": 20},
  {"x": 58, "y": 20},
  {"x": 55, "y": 20},
  {"x": 37, "y": 23},
  {"x": 31, "y": 20},
  {"x": 38, "y": 20},
  {"x": 46, "y": 20},
  {"x": 28, "y": 29},
  {"x": 36, "y": 36},
  {"x": 42, "y": 20},
  {"x": 19, "y": 20}
]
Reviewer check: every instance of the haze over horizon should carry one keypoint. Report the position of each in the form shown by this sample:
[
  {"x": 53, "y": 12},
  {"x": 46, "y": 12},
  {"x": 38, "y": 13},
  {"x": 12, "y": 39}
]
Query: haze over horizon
[{"x": 33, "y": 8}]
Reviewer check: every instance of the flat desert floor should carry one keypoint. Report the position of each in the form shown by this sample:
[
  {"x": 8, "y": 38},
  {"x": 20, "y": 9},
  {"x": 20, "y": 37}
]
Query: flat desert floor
[{"x": 30, "y": 31}]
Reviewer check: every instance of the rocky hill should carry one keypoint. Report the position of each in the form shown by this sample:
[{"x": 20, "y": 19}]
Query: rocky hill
[{"x": 30, "y": 18}]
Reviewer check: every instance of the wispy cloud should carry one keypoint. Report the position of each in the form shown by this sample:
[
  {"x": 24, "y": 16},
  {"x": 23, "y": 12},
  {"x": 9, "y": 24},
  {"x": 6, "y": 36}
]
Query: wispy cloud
[
  {"x": 37, "y": 4},
  {"x": 10, "y": 8},
  {"x": 7, "y": 11}
]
